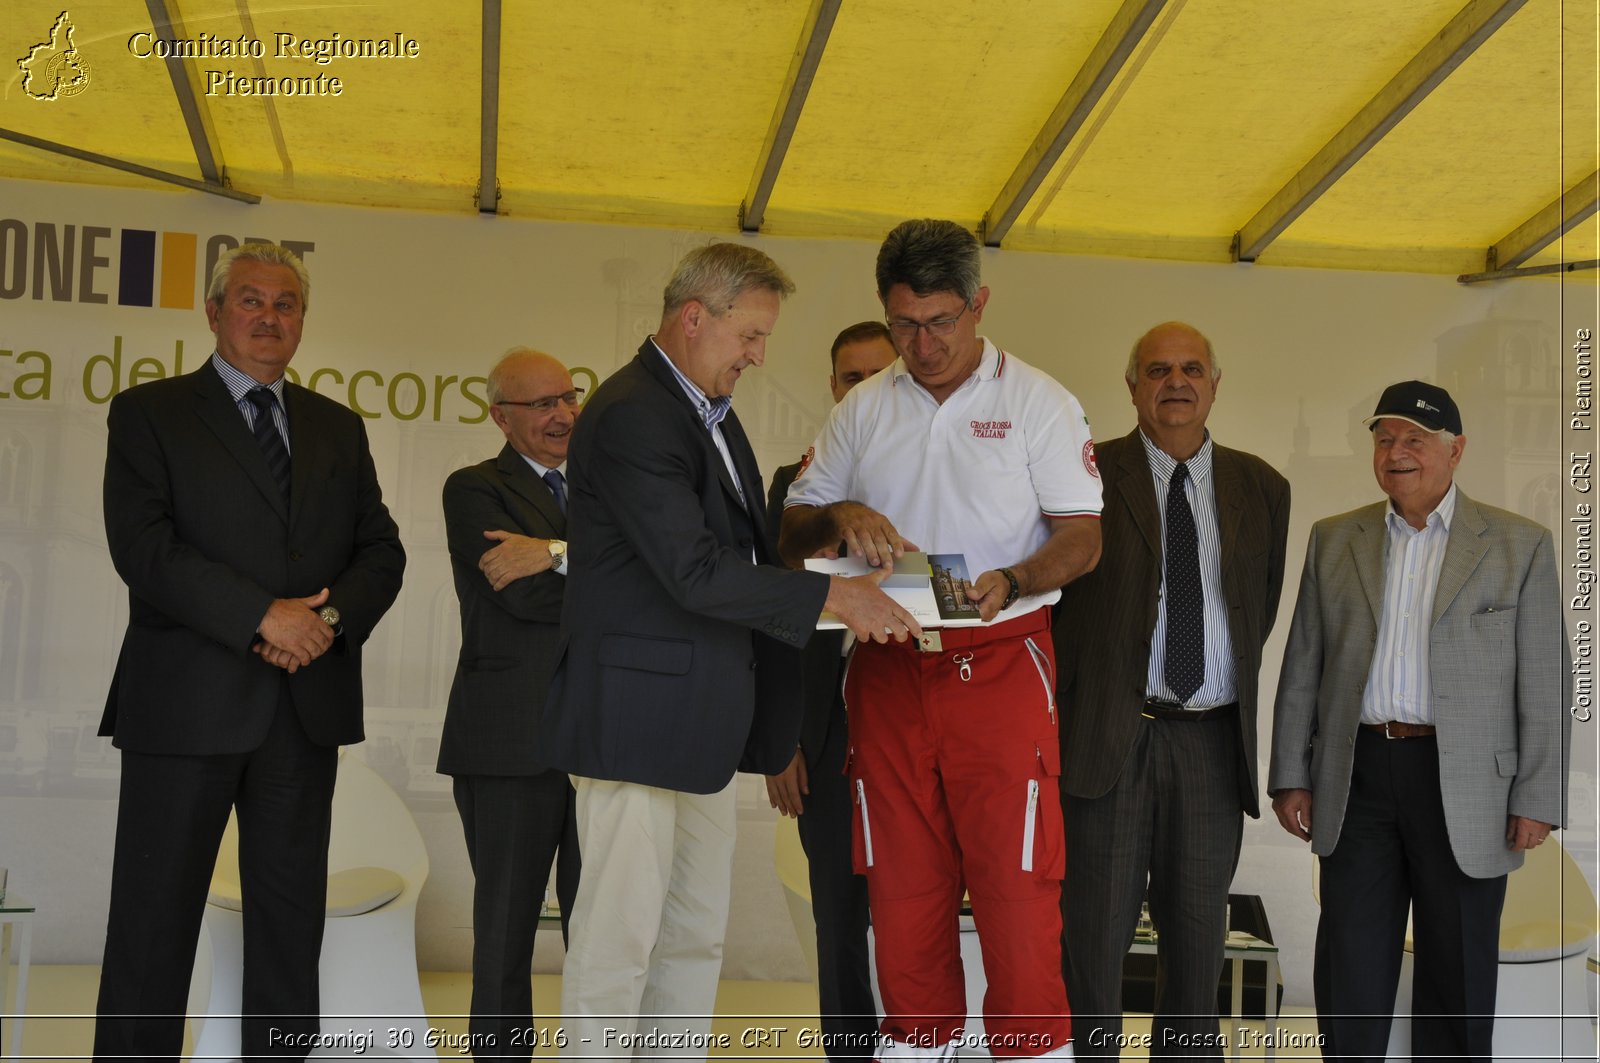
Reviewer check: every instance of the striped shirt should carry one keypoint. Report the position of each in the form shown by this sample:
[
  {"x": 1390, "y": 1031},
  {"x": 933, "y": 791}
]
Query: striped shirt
[
  {"x": 711, "y": 412},
  {"x": 1200, "y": 489},
  {"x": 239, "y": 385},
  {"x": 1399, "y": 686}
]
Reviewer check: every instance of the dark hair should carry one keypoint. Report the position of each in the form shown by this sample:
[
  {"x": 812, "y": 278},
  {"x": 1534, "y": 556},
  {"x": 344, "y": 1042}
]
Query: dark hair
[
  {"x": 860, "y": 332},
  {"x": 929, "y": 256}
]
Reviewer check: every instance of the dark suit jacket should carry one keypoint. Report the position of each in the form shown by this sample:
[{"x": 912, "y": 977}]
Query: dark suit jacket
[
  {"x": 824, "y": 660},
  {"x": 508, "y": 637},
  {"x": 198, "y": 530},
  {"x": 671, "y": 636},
  {"x": 1107, "y": 617}
]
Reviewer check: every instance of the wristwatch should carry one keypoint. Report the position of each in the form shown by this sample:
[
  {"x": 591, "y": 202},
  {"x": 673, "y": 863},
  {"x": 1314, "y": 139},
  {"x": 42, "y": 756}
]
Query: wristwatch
[
  {"x": 330, "y": 616},
  {"x": 558, "y": 555}
]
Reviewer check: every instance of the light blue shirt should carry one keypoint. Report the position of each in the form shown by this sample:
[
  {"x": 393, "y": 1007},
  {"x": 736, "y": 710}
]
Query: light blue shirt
[
  {"x": 1200, "y": 489},
  {"x": 1399, "y": 686},
  {"x": 711, "y": 411}
]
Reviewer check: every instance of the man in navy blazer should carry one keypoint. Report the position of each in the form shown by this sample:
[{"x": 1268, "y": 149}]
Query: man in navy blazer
[
  {"x": 678, "y": 624},
  {"x": 244, "y": 514},
  {"x": 506, "y": 522}
]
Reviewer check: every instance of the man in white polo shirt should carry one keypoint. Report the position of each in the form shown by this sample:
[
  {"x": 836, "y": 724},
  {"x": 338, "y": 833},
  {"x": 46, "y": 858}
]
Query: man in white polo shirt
[{"x": 957, "y": 448}]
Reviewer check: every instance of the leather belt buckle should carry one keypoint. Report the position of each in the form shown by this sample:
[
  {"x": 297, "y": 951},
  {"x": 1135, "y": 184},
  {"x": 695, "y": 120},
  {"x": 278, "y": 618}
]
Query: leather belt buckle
[
  {"x": 1162, "y": 707},
  {"x": 1393, "y": 730}
]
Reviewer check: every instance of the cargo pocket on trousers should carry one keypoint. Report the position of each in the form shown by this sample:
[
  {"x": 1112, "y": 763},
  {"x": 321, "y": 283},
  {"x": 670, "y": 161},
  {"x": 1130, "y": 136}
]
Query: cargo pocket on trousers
[
  {"x": 1043, "y": 845},
  {"x": 860, "y": 823}
]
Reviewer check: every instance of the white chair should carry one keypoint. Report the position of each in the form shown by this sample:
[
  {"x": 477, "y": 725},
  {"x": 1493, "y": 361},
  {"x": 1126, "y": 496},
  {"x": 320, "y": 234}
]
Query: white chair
[
  {"x": 368, "y": 973},
  {"x": 1541, "y": 1001}
]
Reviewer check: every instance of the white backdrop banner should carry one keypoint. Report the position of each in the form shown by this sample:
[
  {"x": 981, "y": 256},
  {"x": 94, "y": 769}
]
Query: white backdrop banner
[{"x": 102, "y": 289}]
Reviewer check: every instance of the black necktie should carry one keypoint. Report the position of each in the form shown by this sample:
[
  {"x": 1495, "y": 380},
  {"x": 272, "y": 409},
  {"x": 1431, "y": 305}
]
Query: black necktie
[
  {"x": 267, "y": 437},
  {"x": 558, "y": 487},
  {"x": 1185, "y": 666}
]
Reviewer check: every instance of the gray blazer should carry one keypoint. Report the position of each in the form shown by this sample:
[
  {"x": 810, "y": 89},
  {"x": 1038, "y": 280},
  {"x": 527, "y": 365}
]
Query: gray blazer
[{"x": 1499, "y": 668}]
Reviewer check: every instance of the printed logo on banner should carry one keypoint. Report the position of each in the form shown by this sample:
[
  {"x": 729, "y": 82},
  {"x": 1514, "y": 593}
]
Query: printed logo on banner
[
  {"x": 54, "y": 69},
  {"x": 80, "y": 263}
]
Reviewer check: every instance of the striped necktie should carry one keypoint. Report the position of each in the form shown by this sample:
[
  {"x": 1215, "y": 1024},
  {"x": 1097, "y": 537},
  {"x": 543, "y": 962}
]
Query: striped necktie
[{"x": 268, "y": 439}]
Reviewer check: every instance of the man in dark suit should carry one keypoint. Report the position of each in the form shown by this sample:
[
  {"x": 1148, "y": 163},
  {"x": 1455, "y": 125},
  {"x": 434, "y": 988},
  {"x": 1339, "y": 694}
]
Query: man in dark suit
[
  {"x": 813, "y": 787},
  {"x": 1160, "y": 647},
  {"x": 677, "y": 626},
  {"x": 1422, "y": 712},
  {"x": 506, "y": 521},
  {"x": 244, "y": 514}
]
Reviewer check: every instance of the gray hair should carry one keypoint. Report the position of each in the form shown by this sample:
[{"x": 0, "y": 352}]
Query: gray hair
[
  {"x": 929, "y": 256},
  {"x": 272, "y": 254},
  {"x": 494, "y": 388},
  {"x": 1131, "y": 373},
  {"x": 717, "y": 274}
]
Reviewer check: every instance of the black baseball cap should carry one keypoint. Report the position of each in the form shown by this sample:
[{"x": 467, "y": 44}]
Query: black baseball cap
[{"x": 1424, "y": 405}]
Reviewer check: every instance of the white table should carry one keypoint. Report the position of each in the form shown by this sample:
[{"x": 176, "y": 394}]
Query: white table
[
  {"x": 1238, "y": 948},
  {"x": 15, "y": 913}
]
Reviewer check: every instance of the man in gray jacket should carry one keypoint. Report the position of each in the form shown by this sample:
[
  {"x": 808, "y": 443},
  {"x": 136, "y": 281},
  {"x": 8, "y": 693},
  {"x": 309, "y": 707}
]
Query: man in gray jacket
[{"x": 1421, "y": 714}]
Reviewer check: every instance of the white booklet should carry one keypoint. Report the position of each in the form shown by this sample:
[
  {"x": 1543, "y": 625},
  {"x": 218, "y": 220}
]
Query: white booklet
[{"x": 931, "y": 587}]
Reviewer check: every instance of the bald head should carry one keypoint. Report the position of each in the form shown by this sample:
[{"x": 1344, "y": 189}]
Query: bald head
[
  {"x": 1173, "y": 378},
  {"x": 521, "y": 382},
  {"x": 1168, "y": 330},
  {"x": 515, "y": 363}
]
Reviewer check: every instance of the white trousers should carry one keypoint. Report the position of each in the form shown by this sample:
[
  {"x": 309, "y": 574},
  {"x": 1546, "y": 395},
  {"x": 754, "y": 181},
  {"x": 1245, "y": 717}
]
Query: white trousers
[{"x": 645, "y": 949}]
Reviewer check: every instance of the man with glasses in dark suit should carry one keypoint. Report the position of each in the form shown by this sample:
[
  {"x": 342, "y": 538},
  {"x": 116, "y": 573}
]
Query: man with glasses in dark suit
[{"x": 506, "y": 520}]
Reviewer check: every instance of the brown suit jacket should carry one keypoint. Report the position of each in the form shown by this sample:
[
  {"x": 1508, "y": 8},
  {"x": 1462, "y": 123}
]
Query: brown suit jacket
[{"x": 1106, "y": 618}]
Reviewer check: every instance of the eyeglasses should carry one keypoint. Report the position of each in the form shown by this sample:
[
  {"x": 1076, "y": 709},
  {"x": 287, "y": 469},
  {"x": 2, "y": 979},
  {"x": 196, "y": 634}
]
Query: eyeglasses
[
  {"x": 569, "y": 399},
  {"x": 907, "y": 330}
]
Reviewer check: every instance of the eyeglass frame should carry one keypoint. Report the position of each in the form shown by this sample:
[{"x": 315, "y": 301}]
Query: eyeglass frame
[
  {"x": 906, "y": 331},
  {"x": 571, "y": 399}
]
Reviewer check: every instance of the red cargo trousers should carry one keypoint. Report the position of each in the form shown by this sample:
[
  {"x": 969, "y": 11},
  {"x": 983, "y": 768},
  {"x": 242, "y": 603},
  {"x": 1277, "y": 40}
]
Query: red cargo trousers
[{"x": 955, "y": 769}]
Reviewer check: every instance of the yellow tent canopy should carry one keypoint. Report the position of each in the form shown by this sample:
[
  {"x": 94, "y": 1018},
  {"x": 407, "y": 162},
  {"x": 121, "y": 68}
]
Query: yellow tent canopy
[{"x": 1422, "y": 136}]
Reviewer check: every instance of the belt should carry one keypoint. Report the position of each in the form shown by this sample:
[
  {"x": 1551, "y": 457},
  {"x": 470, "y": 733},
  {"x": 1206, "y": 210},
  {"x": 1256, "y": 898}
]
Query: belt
[
  {"x": 937, "y": 640},
  {"x": 1396, "y": 729},
  {"x": 1160, "y": 709}
]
